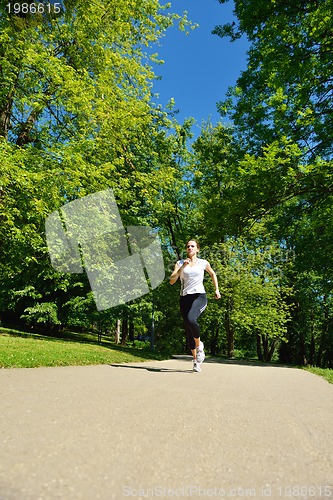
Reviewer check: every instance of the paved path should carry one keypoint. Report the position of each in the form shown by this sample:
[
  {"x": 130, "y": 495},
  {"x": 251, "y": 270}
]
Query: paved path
[{"x": 158, "y": 430}]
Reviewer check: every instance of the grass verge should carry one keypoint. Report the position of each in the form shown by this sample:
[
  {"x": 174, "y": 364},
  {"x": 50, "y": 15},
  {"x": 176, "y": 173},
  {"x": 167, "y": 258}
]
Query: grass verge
[
  {"x": 326, "y": 373},
  {"x": 32, "y": 351}
]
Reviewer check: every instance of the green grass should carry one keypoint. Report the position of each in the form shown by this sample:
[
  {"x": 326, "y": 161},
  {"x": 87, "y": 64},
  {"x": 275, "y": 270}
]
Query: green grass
[
  {"x": 326, "y": 373},
  {"x": 26, "y": 350},
  {"x": 22, "y": 350}
]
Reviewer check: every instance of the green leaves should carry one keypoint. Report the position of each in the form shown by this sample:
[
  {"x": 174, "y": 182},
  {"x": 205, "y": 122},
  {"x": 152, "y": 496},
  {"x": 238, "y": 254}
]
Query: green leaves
[
  {"x": 254, "y": 296},
  {"x": 278, "y": 188},
  {"x": 45, "y": 313},
  {"x": 76, "y": 117},
  {"x": 81, "y": 74},
  {"x": 287, "y": 86}
]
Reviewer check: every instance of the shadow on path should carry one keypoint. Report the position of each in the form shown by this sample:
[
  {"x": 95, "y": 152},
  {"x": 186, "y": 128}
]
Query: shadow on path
[
  {"x": 152, "y": 369},
  {"x": 188, "y": 358},
  {"x": 238, "y": 362}
]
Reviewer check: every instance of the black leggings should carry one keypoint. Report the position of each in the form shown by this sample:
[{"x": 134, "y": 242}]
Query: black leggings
[{"x": 191, "y": 306}]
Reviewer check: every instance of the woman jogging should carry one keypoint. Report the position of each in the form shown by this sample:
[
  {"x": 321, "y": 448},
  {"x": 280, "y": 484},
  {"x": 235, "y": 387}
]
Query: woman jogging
[{"x": 193, "y": 300}]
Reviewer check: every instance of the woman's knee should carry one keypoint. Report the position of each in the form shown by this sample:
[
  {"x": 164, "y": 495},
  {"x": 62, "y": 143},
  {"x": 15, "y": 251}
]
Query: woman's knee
[
  {"x": 194, "y": 327},
  {"x": 192, "y": 319}
]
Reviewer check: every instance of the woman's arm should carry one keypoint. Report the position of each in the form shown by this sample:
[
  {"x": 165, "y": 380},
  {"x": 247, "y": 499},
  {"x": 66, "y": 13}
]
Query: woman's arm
[
  {"x": 214, "y": 278},
  {"x": 177, "y": 270}
]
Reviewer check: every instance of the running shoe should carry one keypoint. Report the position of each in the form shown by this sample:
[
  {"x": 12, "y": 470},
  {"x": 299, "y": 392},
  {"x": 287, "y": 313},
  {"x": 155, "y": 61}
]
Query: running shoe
[
  {"x": 196, "y": 366},
  {"x": 200, "y": 353}
]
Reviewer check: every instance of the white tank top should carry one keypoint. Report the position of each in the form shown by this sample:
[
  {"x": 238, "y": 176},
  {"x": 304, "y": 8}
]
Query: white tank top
[{"x": 191, "y": 277}]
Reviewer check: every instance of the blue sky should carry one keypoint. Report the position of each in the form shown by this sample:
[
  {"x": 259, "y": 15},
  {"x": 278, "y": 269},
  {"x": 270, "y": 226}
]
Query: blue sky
[{"x": 200, "y": 67}]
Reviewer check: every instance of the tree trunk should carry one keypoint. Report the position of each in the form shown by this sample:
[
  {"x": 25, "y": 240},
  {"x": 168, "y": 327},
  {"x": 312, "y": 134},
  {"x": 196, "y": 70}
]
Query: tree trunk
[
  {"x": 124, "y": 331},
  {"x": 213, "y": 342},
  {"x": 264, "y": 341},
  {"x": 173, "y": 239},
  {"x": 272, "y": 350},
  {"x": 323, "y": 337},
  {"x": 264, "y": 351},
  {"x": 259, "y": 350},
  {"x": 24, "y": 135},
  {"x": 117, "y": 332},
  {"x": 99, "y": 331},
  {"x": 312, "y": 349},
  {"x": 5, "y": 114},
  {"x": 131, "y": 332},
  {"x": 229, "y": 329},
  {"x": 231, "y": 343}
]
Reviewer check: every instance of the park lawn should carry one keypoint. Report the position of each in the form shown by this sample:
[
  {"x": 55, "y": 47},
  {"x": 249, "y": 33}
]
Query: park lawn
[
  {"x": 32, "y": 351},
  {"x": 21, "y": 350},
  {"x": 326, "y": 373}
]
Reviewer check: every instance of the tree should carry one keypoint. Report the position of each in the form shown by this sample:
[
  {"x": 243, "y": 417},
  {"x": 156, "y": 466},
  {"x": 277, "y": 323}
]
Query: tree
[
  {"x": 215, "y": 159},
  {"x": 281, "y": 111},
  {"x": 76, "y": 117},
  {"x": 84, "y": 74},
  {"x": 287, "y": 86},
  {"x": 253, "y": 312}
]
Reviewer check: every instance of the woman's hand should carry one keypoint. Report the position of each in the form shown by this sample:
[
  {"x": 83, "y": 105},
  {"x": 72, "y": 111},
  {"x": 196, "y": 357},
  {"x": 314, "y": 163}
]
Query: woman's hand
[{"x": 217, "y": 294}]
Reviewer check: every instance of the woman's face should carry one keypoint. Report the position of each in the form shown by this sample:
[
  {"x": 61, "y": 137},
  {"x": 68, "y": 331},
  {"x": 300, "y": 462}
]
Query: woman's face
[{"x": 191, "y": 248}]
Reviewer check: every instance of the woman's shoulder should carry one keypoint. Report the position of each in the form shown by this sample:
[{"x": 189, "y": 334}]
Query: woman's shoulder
[{"x": 203, "y": 262}]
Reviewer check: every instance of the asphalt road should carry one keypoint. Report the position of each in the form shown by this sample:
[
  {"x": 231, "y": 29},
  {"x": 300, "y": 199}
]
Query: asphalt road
[{"x": 159, "y": 430}]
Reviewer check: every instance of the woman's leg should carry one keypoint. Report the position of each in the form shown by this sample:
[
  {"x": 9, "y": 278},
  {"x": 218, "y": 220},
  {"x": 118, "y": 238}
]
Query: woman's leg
[
  {"x": 198, "y": 306},
  {"x": 185, "y": 307},
  {"x": 192, "y": 306}
]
